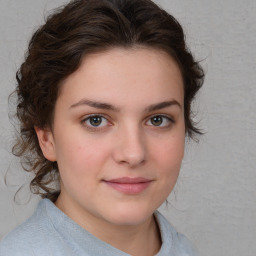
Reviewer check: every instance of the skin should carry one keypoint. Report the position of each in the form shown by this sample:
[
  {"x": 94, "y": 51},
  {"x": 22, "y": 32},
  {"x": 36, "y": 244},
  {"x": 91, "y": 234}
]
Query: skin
[{"x": 123, "y": 140}]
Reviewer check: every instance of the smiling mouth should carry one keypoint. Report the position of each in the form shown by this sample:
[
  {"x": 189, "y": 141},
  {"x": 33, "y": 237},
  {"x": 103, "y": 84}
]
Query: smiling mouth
[{"x": 131, "y": 186}]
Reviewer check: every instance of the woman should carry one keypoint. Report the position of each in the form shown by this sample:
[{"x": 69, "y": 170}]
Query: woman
[{"x": 104, "y": 99}]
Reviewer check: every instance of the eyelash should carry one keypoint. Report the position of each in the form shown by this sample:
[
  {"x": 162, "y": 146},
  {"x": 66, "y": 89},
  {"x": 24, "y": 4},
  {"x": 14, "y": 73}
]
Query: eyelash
[
  {"x": 91, "y": 127},
  {"x": 166, "y": 118}
]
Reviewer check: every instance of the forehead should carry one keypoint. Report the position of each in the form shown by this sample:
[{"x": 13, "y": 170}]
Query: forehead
[{"x": 125, "y": 75}]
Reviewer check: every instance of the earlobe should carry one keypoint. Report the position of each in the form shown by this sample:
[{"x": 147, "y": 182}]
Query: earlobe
[{"x": 46, "y": 142}]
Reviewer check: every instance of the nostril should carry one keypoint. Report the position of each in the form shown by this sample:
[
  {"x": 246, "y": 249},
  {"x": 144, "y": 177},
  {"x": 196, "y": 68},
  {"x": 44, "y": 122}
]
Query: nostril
[
  {"x": 130, "y": 148},
  {"x": 130, "y": 156}
]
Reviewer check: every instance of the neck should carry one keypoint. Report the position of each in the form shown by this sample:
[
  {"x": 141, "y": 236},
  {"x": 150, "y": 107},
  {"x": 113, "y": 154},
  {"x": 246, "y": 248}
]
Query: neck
[
  {"x": 143, "y": 239},
  {"x": 137, "y": 240}
]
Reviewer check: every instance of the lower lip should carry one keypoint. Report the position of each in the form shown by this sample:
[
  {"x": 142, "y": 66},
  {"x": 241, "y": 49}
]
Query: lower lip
[{"x": 129, "y": 188}]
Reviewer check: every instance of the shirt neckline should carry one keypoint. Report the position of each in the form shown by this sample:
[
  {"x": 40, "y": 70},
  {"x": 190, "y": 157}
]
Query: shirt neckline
[{"x": 75, "y": 235}]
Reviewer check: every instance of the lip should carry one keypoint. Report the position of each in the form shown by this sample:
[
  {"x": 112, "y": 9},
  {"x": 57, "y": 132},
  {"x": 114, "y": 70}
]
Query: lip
[{"x": 127, "y": 185}]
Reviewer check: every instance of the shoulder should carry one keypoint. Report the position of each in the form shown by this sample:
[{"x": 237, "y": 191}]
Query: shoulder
[
  {"x": 18, "y": 241},
  {"x": 173, "y": 243},
  {"x": 24, "y": 238}
]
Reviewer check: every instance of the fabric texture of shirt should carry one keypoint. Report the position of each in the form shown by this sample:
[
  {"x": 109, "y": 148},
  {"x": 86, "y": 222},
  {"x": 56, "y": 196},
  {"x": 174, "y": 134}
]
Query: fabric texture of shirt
[{"x": 50, "y": 232}]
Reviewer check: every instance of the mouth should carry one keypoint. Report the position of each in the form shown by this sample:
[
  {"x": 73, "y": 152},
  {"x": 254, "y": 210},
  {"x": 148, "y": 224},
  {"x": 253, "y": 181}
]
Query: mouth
[{"x": 130, "y": 186}]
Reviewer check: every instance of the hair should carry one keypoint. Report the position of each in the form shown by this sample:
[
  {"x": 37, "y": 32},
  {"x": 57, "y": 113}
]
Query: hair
[{"x": 57, "y": 49}]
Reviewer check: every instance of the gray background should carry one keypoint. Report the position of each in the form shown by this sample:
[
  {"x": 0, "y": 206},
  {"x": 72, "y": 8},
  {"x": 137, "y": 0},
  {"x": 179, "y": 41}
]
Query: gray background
[{"x": 214, "y": 202}]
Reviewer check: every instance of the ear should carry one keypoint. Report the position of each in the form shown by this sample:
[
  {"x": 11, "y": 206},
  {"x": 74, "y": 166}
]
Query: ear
[{"x": 46, "y": 142}]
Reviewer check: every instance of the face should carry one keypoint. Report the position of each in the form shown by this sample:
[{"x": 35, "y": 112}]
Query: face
[{"x": 118, "y": 135}]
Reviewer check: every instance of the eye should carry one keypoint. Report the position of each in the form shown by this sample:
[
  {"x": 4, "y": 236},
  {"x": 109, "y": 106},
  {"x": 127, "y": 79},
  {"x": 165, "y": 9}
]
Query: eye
[
  {"x": 160, "y": 121},
  {"x": 95, "y": 121}
]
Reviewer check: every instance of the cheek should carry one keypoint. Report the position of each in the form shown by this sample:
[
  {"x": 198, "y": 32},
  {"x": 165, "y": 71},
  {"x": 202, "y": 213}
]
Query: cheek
[
  {"x": 80, "y": 155},
  {"x": 79, "y": 165},
  {"x": 169, "y": 156}
]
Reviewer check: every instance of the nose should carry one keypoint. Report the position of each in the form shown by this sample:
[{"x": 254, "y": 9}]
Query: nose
[{"x": 130, "y": 147}]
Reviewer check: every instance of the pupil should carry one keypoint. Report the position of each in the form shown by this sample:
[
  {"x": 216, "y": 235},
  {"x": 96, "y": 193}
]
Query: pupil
[
  {"x": 95, "y": 121},
  {"x": 157, "y": 120}
]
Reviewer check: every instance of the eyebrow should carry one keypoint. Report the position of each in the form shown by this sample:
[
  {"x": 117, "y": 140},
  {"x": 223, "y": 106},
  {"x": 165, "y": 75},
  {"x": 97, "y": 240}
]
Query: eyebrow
[
  {"x": 95, "y": 104},
  {"x": 162, "y": 105},
  {"x": 107, "y": 106}
]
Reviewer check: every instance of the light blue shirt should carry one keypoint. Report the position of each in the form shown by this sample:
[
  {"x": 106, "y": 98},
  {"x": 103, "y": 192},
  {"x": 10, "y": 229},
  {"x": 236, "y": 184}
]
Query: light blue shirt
[{"x": 50, "y": 232}]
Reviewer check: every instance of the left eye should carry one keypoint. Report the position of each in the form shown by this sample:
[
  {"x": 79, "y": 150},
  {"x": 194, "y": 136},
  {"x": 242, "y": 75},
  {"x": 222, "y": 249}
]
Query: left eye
[
  {"x": 95, "y": 121},
  {"x": 159, "y": 121}
]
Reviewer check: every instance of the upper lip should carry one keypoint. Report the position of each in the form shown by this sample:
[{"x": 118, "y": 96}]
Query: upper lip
[{"x": 129, "y": 180}]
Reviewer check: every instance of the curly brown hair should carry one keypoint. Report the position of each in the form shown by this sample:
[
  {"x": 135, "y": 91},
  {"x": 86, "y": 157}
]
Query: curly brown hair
[{"x": 56, "y": 50}]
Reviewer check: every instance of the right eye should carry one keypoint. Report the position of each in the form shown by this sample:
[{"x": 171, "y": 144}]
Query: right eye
[{"x": 95, "y": 121}]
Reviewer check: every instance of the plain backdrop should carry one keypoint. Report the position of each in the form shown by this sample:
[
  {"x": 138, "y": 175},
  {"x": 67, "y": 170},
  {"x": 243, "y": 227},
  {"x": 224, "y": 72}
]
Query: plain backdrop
[{"x": 214, "y": 201}]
